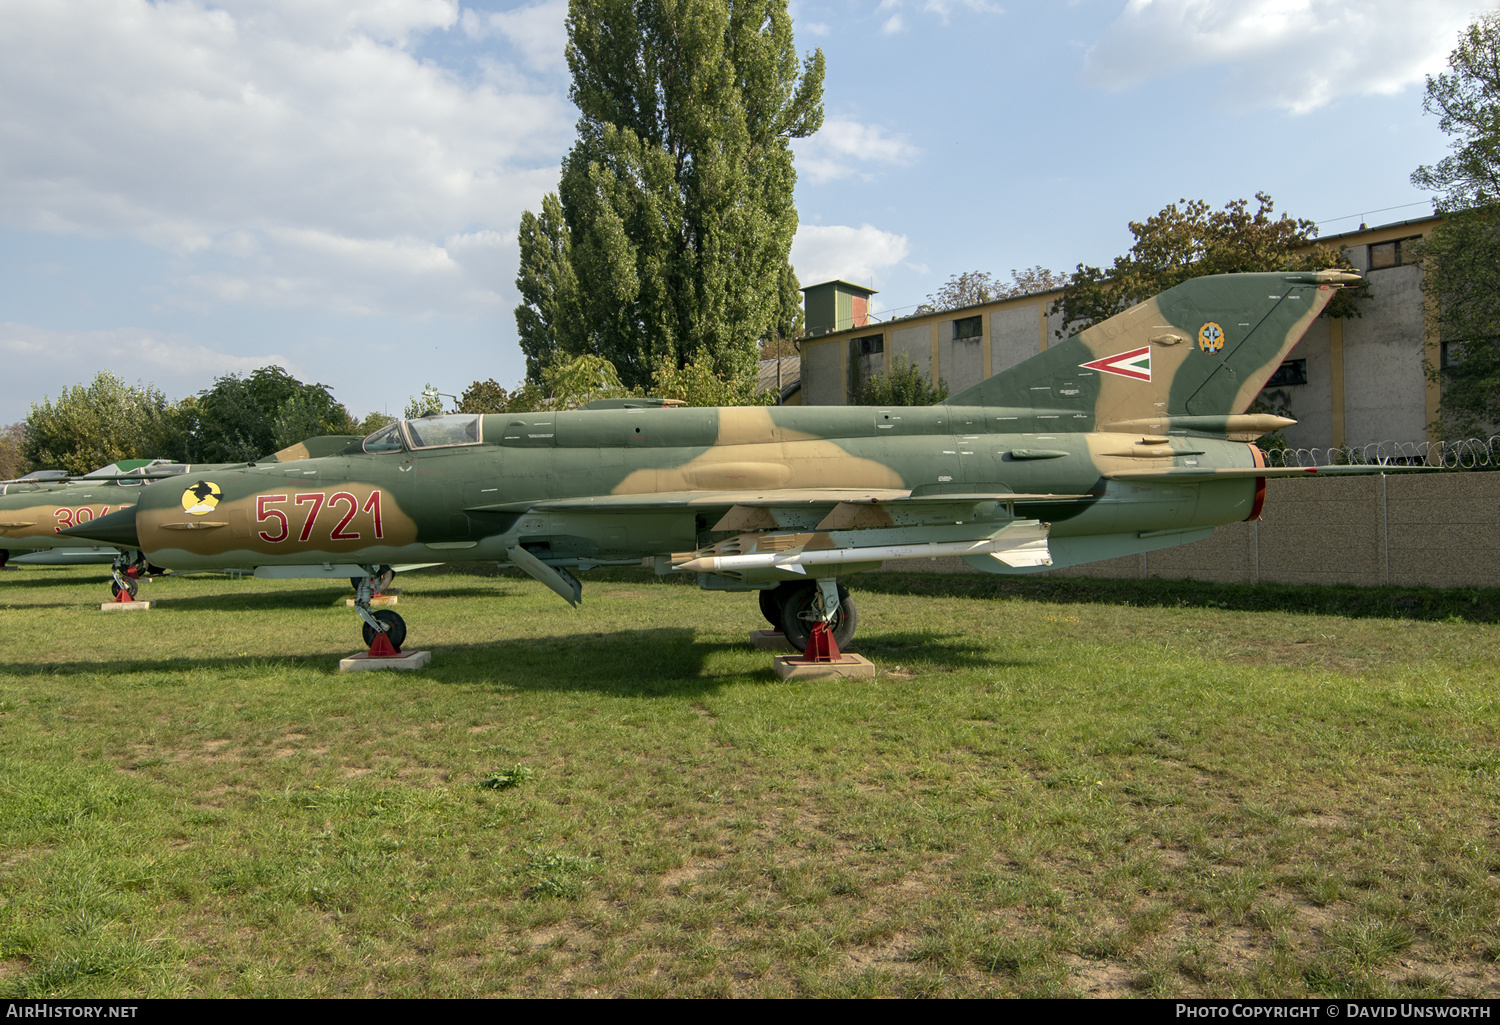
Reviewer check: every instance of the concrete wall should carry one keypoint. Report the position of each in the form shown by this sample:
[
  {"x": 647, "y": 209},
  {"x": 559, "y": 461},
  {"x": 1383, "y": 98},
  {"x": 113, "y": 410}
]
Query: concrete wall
[
  {"x": 1406, "y": 530},
  {"x": 822, "y": 374},
  {"x": 1310, "y": 404},
  {"x": 1014, "y": 336},
  {"x": 1384, "y": 385},
  {"x": 912, "y": 345},
  {"x": 961, "y": 360}
]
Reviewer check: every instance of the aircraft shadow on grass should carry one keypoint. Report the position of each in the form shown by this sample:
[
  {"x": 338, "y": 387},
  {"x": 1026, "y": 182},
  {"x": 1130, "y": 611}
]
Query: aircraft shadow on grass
[
  {"x": 661, "y": 662},
  {"x": 38, "y": 578}
]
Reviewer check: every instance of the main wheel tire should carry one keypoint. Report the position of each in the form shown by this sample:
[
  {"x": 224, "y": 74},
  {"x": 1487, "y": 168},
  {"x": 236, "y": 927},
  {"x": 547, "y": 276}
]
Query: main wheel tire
[
  {"x": 395, "y": 629},
  {"x": 773, "y": 600},
  {"x": 4, "y": 557},
  {"x": 114, "y": 589},
  {"x": 797, "y": 616},
  {"x": 354, "y": 582}
]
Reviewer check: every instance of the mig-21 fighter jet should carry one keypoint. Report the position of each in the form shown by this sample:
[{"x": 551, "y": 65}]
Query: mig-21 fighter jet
[{"x": 1130, "y": 436}]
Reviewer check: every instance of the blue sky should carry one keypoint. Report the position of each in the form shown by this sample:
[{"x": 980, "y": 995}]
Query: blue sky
[{"x": 190, "y": 189}]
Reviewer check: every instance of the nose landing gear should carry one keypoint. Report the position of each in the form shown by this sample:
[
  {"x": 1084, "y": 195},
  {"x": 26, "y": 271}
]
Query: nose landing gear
[
  {"x": 384, "y": 631},
  {"x": 125, "y": 575}
]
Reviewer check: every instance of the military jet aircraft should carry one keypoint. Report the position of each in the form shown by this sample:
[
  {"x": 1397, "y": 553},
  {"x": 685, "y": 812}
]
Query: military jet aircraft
[
  {"x": 36, "y": 509},
  {"x": 1129, "y": 436}
]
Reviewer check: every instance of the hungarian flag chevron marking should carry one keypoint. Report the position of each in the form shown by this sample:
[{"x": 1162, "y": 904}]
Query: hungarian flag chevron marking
[{"x": 1135, "y": 364}]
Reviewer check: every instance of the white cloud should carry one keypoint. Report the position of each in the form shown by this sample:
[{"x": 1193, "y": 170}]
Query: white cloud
[
  {"x": 825, "y": 252},
  {"x": 539, "y": 32},
  {"x": 843, "y": 148},
  {"x": 42, "y": 362},
  {"x": 1297, "y": 55},
  {"x": 942, "y": 8},
  {"x": 260, "y": 140}
]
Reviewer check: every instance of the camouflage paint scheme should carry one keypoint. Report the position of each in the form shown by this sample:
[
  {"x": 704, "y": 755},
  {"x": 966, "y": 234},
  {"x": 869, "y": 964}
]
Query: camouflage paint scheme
[{"x": 1144, "y": 449}]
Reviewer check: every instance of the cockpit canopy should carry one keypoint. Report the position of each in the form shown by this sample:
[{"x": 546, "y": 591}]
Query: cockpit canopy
[
  {"x": 143, "y": 470},
  {"x": 429, "y": 432}
]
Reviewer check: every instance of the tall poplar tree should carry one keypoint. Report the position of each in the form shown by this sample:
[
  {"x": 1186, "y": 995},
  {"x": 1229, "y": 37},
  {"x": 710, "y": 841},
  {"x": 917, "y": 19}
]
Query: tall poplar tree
[{"x": 669, "y": 236}]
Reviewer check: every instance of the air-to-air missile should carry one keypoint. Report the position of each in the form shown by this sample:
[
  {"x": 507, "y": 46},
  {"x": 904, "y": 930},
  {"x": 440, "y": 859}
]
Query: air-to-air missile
[
  {"x": 1130, "y": 436},
  {"x": 36, "y": 510}
]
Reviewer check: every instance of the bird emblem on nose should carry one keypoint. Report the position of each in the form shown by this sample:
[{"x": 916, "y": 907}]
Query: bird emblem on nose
[{"x": 201, "y": 498}]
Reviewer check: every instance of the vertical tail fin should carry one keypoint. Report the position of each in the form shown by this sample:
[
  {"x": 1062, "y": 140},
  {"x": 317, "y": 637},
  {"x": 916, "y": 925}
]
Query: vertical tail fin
[{"x": 1203, "y": 348}]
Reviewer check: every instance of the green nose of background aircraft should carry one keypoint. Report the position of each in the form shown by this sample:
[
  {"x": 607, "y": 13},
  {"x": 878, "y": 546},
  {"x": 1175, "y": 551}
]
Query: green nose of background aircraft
[{"x": 1129, "y": 436}]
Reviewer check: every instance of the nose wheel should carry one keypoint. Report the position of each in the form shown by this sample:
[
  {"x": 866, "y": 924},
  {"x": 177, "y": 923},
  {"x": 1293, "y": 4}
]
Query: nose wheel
[
  {"x": 384, "y": 631},
  {"x": 125, "y": 575},
  {"x": 394, "y": 633}
]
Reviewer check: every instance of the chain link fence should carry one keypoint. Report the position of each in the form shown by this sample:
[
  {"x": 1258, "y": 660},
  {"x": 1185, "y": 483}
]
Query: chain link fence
[{"x": 1465, "y": 454}]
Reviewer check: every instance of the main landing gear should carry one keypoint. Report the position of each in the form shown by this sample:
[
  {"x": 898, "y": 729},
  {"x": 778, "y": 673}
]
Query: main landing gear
[
  {"x": 384, "y": 631},
  {"x": 803, "y": 609}
]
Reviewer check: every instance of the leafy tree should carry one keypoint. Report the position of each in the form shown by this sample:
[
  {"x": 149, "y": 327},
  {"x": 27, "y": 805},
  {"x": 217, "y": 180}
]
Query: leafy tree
[
  {"x": 484, "y": 397},
  {"x": 373, "y": 423},
  {"x": 975, "y": 287},
  {"x": 698, "y": 385},
  {"x": 580, "y": 381},
  {"x": 242, "y": 418},
  {"x": 428, "y": 403},
  {"x": 904, "y": 384},
  {"x": 1190, "y": 240},
  {"x": 106, "y": 421},
  {"x": 12, "y": 462},
  {"x": 1462, "y": 254},
  {"x": 549, "y": 289},
  {"x": 670, "y": 232}
]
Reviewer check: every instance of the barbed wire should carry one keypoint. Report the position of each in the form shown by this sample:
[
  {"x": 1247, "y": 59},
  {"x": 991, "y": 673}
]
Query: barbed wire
[{"x": 1463, "y": 454}]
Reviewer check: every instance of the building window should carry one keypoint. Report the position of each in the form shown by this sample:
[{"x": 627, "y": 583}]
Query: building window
[
  {"x": 1293, "y": 371},
  {"x": 1399, "y": 253},
  {"x": 870, "y": 344},
  {"x": 968, "y": 327}
]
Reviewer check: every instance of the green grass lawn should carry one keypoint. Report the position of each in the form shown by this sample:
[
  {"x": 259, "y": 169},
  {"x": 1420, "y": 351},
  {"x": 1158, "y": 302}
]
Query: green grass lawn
[{"x": 1053, "y": 788}]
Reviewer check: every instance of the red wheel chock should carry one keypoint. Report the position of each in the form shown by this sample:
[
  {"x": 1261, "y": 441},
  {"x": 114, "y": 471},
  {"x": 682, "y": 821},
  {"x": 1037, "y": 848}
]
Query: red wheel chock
[
  {"x": 381, "y": 647},
  {"x": 124, "y": 595},
  {"x": 821, "y": 647}
]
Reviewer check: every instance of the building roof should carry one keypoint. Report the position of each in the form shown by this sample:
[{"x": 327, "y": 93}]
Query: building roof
[
  {"x": 790, "y": 379},
  {"x": 840, "y": 281}
]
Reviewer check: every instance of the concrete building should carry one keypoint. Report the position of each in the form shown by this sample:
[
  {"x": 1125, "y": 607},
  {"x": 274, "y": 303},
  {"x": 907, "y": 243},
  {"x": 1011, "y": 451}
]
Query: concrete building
[{"x": 1352, "y": 381}]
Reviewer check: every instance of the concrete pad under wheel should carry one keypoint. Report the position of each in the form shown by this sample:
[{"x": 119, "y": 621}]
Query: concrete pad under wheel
[
  {"x": 384, "y": 599},
  {"x": 127, "y": 606},
  {"x": 770, "y": 640},
  {"x": 363, "y": 662},
  {"x": 849, "y": 667}
]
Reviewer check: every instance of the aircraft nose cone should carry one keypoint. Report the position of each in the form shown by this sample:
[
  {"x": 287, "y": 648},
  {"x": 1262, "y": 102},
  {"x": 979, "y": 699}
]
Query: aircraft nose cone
[{"x": 116, "y": 528}]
